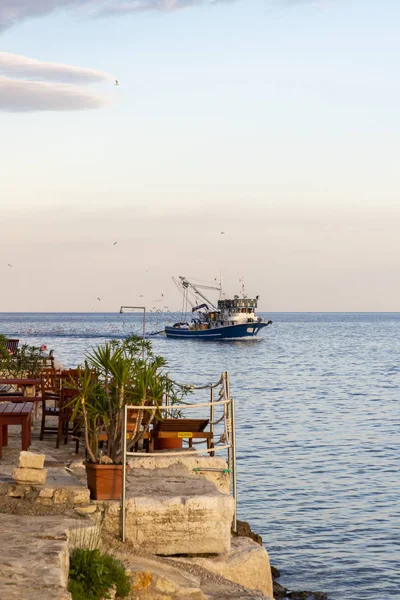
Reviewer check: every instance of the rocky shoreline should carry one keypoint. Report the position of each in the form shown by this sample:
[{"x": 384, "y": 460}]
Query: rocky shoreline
[{"x": 244, "y": 530}]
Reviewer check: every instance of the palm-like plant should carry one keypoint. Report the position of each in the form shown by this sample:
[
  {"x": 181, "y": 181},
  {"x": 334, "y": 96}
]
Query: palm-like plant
[{"x": 116, "y": 374}]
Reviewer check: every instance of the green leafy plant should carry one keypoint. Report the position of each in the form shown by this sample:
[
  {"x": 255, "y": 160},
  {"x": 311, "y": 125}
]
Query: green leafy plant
[
  {"x": 4, "y": 354},
  {"x": 116, "y": 374},
  {"x": 26, "y": 361},
  {"x": 92, "y": 574}
]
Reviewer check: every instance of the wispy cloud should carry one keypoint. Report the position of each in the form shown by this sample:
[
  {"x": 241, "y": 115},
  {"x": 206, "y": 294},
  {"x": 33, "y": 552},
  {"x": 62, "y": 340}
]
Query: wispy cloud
[
  {"x": 30, "y": 96},
  {"x": 22, "y": 66},
  {"x": 13, "y": 11}
]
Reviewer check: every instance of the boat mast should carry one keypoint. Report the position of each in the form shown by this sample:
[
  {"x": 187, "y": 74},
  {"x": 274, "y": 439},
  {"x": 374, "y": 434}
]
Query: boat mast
[{"x": 185, "y": 283}]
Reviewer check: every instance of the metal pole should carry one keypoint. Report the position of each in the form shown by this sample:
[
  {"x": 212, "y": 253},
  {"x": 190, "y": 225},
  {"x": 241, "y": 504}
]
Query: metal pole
[
  {"x": 212, "y": 415},
  {"x": 144, "y": 327},
  {"x": 123, "y": 503},
  {"x": 234, "y": 463},
  {"x": 231, "y": 414},
  {"x": 227, "y": 420}
]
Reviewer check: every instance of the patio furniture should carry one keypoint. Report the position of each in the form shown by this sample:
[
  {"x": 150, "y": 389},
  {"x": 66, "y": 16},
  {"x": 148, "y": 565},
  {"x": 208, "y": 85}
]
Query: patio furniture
[
  {"x": 51, "y": 382},
  {"x": 12, "y": 345},
  {"x": 23, "y": 383},
  {"x": 16, "y": 414},
  {"x": 181, "y": 428},
  {"x": 66, "y": 409}
]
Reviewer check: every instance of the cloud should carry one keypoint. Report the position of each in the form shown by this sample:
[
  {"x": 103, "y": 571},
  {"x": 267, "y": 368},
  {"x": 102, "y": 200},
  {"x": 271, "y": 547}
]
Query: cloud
[
  {"x": 30, "y": 96},
  {"x": 132, "y": 6},
  {"x": 22, "y": 66},
  {"x": 13, "y": 11}
]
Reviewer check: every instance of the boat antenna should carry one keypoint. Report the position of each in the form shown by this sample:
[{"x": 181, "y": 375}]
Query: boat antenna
[
  {"x": 221, "y": 285},
  {"x": 243, "y": 289}
]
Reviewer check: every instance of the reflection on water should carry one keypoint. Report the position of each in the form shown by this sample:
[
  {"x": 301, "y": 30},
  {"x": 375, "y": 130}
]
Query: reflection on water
[{"x": 318, "y": 420}]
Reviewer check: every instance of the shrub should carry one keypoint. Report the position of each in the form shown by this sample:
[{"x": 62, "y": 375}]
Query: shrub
[{"x": 92, "y": 574}]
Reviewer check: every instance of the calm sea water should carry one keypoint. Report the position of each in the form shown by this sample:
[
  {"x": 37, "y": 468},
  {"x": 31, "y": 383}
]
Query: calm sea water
[{"x": 317, "y": 431}]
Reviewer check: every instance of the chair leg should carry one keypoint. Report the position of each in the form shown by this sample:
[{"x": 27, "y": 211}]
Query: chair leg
[
  {"x": 43, "y": 420},
  {"x": 59, "y": 431},
  {"x": 5, "y": 435}
]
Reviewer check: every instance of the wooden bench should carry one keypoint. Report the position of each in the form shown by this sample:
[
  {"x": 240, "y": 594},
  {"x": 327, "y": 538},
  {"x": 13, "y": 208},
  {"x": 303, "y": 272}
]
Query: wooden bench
[
  {"x": 16, "y": 414},
  {"x": 181, "y": 428}
]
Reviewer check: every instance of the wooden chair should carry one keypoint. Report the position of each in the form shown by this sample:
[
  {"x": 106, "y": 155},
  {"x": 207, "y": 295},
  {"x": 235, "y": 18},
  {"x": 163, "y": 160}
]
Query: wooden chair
[
  {"x": 51, "y": 382},
  {"x": 131, "y": 426},
  {"x": 66, "y": 409},
  {"x": 50, "y": 401},
  {"x": 50, "y": 398},
  {"x": 12, "y": 345},
  {"x": 181, "y": 428}
]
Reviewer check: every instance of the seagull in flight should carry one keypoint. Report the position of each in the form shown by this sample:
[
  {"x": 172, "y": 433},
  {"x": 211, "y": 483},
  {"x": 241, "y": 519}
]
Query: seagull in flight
[
  {"x": 116, "y": 82},
  {"x": 222, "y": 232},
  {"x": 99, "y": 299},
  {"x": 115, "y": 243},
  {"x": 8, "y": 265}
]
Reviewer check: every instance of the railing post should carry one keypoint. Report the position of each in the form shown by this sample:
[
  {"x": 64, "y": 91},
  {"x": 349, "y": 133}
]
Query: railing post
[
  {"x": 232, "y": 445},
  {"x": 123, "y": 501},
  {"x": 233, "y": 438},
  {"x": 212, "y": 417}
]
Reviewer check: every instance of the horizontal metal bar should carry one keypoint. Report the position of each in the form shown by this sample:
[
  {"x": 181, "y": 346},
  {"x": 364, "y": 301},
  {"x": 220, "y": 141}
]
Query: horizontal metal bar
[{"x": 210, "y": 469}]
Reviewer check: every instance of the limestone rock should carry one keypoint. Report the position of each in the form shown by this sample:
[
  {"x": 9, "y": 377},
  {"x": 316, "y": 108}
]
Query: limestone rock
[
  {"x": 140, "y": 580},
  {"x": 247, "y": 563},
  {"x": 172, "y": 466},
  {"x": 46, "y": 493},
  {"x": 80, "y": 495},
  {"x": 61, "y": 496},
  {"x": 24, "y": 475},
  {"x": 244, "y": 530},
  {"x": 86, "y": 510},
  {"x": 29, "y": 460},
  {"x": 175, "y": 525},
  {"x": 34, "y": 558},
  {"x": 19, "y": 491},
  {"x": 154, "y": 580}
]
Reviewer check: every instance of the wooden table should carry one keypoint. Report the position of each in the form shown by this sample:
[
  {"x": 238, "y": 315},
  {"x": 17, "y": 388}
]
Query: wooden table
[
  {"x": 16, "y": 414},
  {"x": 20, "y": 382}
]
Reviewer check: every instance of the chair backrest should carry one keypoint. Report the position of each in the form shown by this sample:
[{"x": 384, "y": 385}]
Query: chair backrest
[
  {"x": 70, "y": 376},
  {"x": 133, "y": 415},
  {"x": 193, "y": 425},
  {"x": 12, "y": 345},
  {"x": 67, "y": 398},
  {"x": 51, "y": 379}
]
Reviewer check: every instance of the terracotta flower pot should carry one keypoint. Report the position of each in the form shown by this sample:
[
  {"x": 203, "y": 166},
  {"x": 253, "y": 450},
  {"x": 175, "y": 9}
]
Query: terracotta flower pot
[
  {"x": 167, "y": 443},
  {"x": 104, "y": 481}
]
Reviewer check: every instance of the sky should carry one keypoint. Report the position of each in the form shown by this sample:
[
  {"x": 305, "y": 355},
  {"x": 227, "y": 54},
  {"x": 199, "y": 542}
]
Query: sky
[{"x": 275, "y": 122}]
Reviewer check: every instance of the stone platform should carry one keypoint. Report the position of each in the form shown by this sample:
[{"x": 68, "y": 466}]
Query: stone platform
[
  {"x": 34, "y": 558},
  {"x": 173, "y": 512}
]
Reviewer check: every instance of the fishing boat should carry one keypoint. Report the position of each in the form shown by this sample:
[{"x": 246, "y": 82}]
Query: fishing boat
[{"x": 227, "y": 319}]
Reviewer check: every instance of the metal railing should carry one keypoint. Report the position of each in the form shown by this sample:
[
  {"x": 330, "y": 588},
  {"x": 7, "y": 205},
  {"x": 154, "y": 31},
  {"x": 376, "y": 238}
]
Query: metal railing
[{"x": 227, "y": 440}]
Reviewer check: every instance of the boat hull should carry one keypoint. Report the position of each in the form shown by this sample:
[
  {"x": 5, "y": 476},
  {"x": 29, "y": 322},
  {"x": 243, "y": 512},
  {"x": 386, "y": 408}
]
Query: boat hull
[{"x": 245, "y": 330}]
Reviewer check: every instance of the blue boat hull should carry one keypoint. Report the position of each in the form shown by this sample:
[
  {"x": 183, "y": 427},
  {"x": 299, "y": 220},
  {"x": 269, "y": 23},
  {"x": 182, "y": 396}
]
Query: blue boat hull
[{"x": 246, "y": 330}]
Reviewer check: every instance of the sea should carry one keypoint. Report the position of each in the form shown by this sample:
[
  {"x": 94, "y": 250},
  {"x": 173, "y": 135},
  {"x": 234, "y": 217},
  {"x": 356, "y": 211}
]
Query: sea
[{"x": 318, "y": 445}]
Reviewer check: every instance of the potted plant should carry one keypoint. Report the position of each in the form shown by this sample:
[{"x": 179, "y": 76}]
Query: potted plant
[{"x": 116, "y": 374}]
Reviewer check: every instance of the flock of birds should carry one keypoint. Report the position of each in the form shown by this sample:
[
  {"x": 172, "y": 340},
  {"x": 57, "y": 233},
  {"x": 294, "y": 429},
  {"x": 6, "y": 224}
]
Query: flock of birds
[{"x": 146, "y": 271}]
